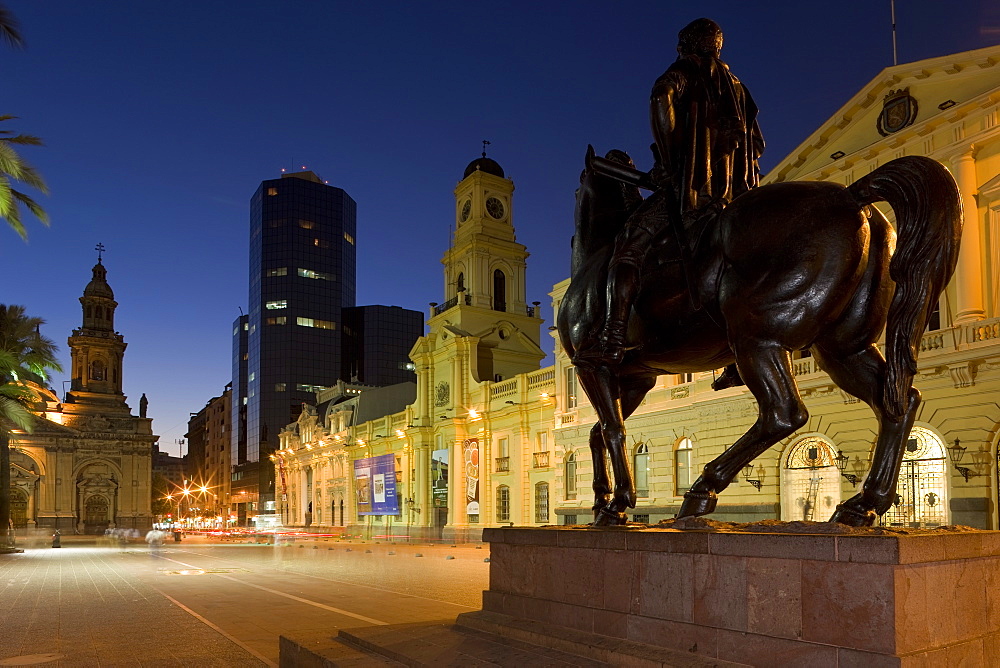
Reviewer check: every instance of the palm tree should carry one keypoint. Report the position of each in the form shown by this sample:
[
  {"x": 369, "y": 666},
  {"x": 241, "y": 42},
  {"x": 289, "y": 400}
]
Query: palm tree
[
  {"x": 12, "y": 168},
  {"x": 25, "y": 359}
]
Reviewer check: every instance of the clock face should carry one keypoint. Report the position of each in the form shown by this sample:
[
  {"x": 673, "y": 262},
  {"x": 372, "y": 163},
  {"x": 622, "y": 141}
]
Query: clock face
[
  {"x": 466, "y": 210},
  {"x": 494, "y": 207}
]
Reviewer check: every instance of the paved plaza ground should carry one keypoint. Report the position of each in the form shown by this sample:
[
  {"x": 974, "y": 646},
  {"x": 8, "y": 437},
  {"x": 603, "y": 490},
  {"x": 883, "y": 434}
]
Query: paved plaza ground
[{"x": 206, "y": 603}]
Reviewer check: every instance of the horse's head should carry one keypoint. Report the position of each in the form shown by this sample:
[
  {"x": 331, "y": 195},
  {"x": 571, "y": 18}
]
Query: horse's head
[{"x": 602, "y": 207}]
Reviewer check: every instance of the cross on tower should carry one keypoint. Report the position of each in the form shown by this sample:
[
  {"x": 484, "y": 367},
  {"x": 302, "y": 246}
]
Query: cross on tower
[
  {"x": 100, "y": 249},
  {"x": 485, "y": 144}
]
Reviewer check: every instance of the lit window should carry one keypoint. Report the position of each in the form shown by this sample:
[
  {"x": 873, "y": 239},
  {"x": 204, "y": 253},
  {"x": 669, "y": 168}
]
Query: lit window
[
  {"x": 246, "y": 326},
  {"x": 314, "y": 322},
  {"x": 572, "y": 388},
  {"x": 306, "y": 224},
  {"x": 280, "y": 271},
  {"x": 642, "y": 469},
  {"x": 542, "y": 442},
  {"x": 349, "y": 238},
  {"x": 252, "y": 376},
  {"x": 682, "y": 466},
  {"x": 276, "y": 304},
  {"x": 272, "y": 192},
  {"x": 279, "y": 387},
  {"x": 279, "y": 320},
  {"x": 244, "y": 401},
  {"x": 542, "y": 502},
  {"x": 570, "y": 474},
  {"x": 321, "y": 243},
  {"x": 319, "y": 275},
  {"x": 503, "y": 503}
]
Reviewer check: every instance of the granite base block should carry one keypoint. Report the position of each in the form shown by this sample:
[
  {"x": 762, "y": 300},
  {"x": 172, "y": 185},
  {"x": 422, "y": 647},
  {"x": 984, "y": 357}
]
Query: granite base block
[{"x": 766, "y": 599}]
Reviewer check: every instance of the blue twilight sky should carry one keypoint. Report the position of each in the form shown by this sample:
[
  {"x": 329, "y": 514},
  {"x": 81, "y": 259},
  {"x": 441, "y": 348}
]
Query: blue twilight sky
[{"x": 160, "y": 119}]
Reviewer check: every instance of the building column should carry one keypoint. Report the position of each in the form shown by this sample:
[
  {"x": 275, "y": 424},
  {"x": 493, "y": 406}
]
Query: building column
[{"x": 969, "y": 274}]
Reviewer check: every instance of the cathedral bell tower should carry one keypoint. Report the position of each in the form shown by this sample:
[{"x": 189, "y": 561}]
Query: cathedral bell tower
[{"x": 96, "y": 352}]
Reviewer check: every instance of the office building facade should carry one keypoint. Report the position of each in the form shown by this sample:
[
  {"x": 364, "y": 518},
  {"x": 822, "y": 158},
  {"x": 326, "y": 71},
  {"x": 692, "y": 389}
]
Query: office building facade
[{"x": 302, "y": 274}]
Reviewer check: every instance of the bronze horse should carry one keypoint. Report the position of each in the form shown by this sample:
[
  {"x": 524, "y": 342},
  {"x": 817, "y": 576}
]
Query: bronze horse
[{"x": 785, "y": 267}]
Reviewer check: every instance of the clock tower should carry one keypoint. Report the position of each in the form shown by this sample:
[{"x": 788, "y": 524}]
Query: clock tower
[{"x": 484, "y": 331}]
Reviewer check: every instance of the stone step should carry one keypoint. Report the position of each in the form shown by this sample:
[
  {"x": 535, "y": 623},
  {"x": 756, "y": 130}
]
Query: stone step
[{"x": 602, "y": 650}]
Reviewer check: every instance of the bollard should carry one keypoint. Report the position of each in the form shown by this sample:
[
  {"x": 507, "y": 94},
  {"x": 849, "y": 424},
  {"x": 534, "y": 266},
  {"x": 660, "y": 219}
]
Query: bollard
[{"x": 57, "y": 539}]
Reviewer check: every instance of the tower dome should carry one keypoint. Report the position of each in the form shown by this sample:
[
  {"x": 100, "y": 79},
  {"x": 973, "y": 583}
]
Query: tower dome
[
  {"x": 98, "y": 286},
  {"x": 484, "y": 164}
]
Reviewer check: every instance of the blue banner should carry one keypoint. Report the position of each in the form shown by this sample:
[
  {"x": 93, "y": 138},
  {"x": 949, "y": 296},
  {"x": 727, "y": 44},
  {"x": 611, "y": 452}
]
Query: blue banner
[{"x": 375, "y": 485}]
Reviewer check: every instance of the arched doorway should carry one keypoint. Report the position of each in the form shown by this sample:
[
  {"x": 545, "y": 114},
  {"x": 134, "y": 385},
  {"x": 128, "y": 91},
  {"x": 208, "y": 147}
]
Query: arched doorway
[
  {"x": 96, "y": 514},
  {"x": 922, "y": 490},
  {"x": 18, "y": 508},
  {"x": 810, "y": 481}
]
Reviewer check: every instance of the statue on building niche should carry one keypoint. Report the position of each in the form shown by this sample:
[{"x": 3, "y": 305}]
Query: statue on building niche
[{"x": 748, "y": 275}]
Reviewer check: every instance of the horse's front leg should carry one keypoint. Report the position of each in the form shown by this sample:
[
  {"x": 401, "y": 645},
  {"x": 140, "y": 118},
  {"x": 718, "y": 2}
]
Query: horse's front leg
[
  {"x": 602, "y": 484},
  {"x": 601, "y": 386}
]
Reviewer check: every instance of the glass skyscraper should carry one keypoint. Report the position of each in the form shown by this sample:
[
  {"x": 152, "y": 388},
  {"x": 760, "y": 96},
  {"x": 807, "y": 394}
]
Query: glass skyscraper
[{"x": 302, "y": 274}]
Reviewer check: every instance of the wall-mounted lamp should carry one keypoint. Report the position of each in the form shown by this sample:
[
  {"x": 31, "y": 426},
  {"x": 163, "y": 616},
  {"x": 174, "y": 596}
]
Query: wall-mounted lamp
[
  {"x": 955, "y": 454},
  {"x": 842, "y": 461},
  {"x": 747, "y": 472}
]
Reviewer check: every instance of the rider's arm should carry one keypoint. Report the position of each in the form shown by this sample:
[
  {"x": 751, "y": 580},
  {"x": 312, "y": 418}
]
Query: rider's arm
[{"x": 662, "y": 117}]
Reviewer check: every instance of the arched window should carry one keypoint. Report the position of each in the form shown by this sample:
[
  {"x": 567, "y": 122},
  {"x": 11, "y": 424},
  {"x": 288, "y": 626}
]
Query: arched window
[
  {"x": 921, "y": 490},
  {"x": 503, "y": 503},
  {"x": 542, "y": 502},
  {"x": 570, "y": 475},
  {"x": 682, "y": 466},
  {"x": 810, "y": 481},
  {"x": 642, "y": 469},
  {"x": 499, "y": 291},
  {"x": 97, "y": 370},
  {"x": 460, "y": 282}
]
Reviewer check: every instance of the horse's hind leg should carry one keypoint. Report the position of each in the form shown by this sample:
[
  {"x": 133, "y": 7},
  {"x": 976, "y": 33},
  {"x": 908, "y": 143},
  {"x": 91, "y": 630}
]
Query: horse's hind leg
[
  {"x": 767, "y": 370},
  {"x": 863, "y": 375},
  {"x": 602, "y": 484}
]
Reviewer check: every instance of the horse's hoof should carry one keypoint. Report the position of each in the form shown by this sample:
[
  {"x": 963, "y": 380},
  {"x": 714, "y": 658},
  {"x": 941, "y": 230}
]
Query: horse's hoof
[
  {"x": 697, "y": 504},
  {"x": 853, "y": 517},
  {"x": 609, "y": 518}
]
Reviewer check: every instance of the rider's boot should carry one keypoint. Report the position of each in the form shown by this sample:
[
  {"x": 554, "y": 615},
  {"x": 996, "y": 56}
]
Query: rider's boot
[
  {"x": 613, "y": 341},
  {"x": 730, "y": 377}
]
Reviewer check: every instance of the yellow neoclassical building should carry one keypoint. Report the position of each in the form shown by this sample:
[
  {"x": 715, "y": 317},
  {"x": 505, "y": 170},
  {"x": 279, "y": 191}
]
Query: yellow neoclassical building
[
  {"x": 472, "y": 446},
  {"x": 946, "y": 108}
]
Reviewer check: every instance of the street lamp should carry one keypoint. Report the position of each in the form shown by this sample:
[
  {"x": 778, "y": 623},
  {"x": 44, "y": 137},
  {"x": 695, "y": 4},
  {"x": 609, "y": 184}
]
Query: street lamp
[
  {"x": 842, "y": 460},
  {"x": 955, "y": 454}
]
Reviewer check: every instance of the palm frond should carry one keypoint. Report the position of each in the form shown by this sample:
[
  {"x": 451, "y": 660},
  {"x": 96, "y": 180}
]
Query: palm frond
[
  {"x": 10, "y": 161},
  {"x": 29, "y": 140},
  {"x": 12, "y": 411},
  {"x": 33, "y": 207},
  {"x": 10, "y": 31},
  {"x": 31, "y": 177}
]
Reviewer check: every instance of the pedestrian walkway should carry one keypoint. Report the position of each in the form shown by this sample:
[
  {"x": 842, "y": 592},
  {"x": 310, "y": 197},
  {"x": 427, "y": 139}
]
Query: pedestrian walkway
[{"x": 84, "y": 605}]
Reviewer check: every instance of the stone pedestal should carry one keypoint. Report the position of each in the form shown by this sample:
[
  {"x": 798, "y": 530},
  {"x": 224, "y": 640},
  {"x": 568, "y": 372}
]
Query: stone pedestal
[{"x": 864, "y": 599}]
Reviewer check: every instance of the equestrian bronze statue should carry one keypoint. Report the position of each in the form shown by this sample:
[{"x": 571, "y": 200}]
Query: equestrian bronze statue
[{"x": 749, "y": 275}]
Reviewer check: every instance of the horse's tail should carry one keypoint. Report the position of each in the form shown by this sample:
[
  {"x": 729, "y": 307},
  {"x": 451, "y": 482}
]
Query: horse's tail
[{"x": 928, "y": 207}]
